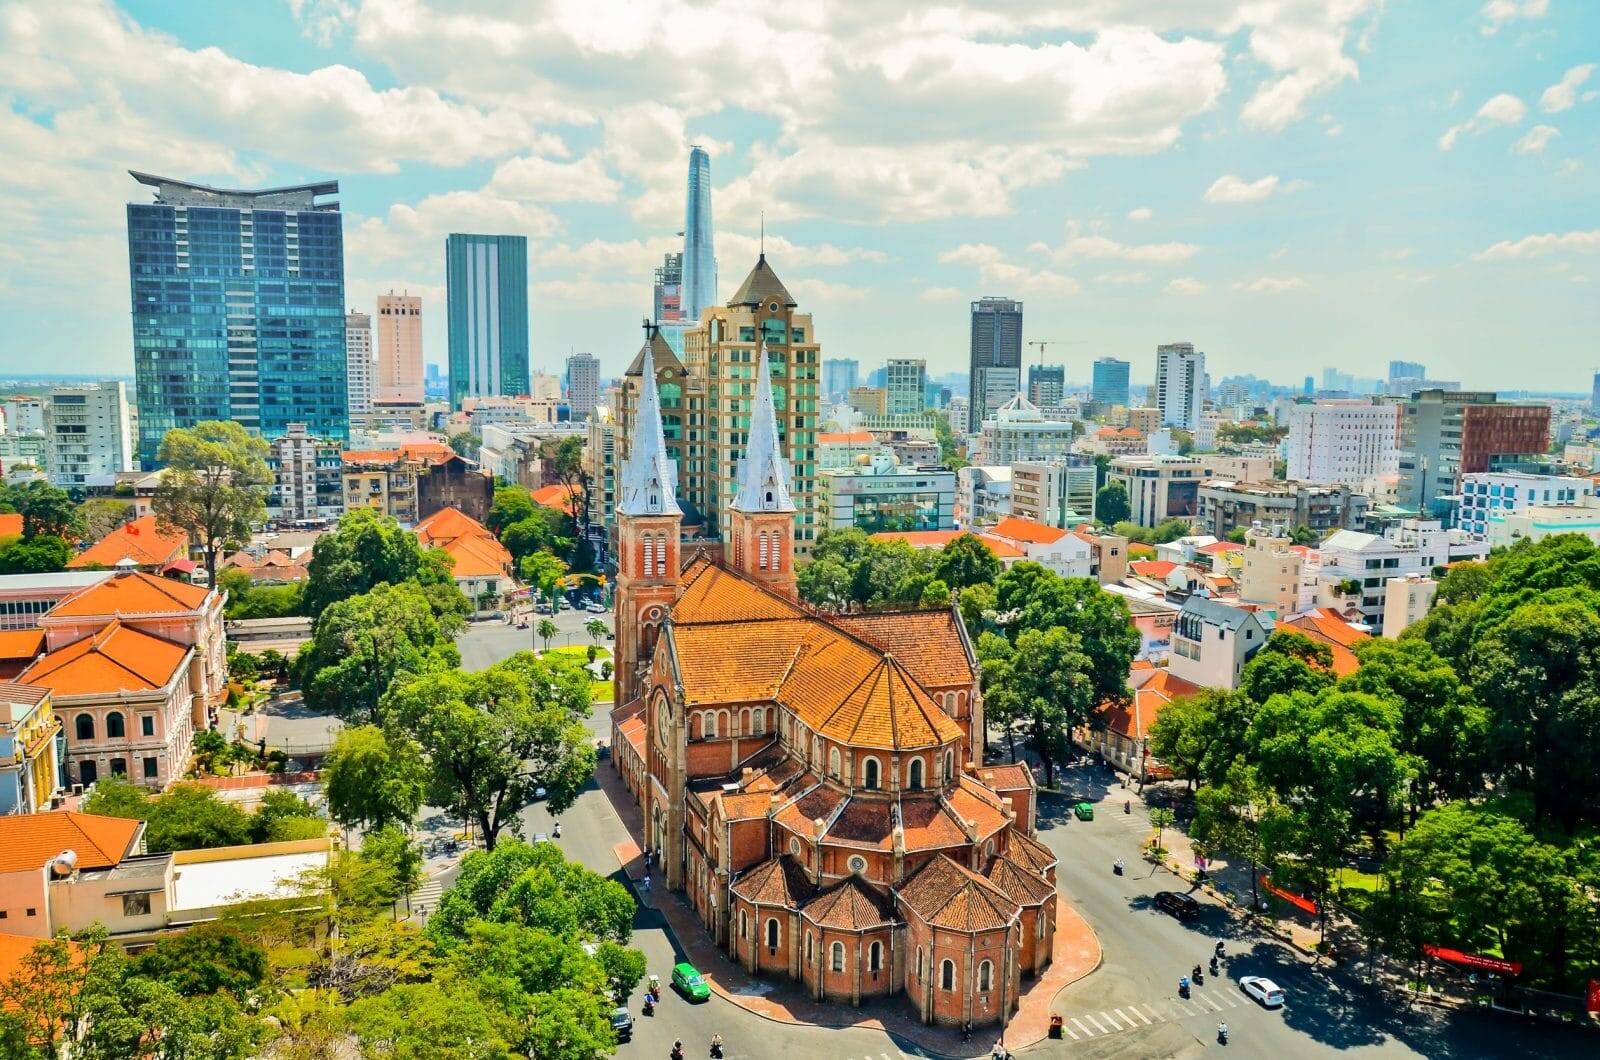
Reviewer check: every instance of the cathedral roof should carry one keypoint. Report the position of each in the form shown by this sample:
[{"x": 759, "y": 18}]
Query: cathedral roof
[
  {"x": 660, "y": 351},
  {"x": 849, "y": 905},
  {"x": 779, "y": 881},
  {"x": 928, "y": 642},
  {"x": 949, "y": 896},
  {"x": 762, "y": 286},
  {"x": 650, "y": 478},
  {"x": 1029, "y": 852},
  {"x": 763, "y": 472},
  {"x": 1022, "y": 884}
]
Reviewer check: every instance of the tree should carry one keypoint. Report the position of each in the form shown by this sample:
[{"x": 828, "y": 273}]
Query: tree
[
  {"x": 1162, "y": 818},
  {"x": 47, "y": 511},
  {"x": 44, "y": 554},
  {"x": 372, "y": 780},
  {"x": 824, "y": 583},
  {"x": 367, "y": 549},
  {"x": 966, "y": 561},
  {"x": 1044, "y": 682},
  {"x": 466, "y": 444},
  {"x": 512, "y": 504},
  {"x": 1201, "y": 736},
  {"x": 1227, "y": 817},
  {"x": 596, "y": 629},
  {"x": 544, "y": 572},
  {"x": 1111, "y": 505},
  {"x": 491, "y": 739},
  {"x": 191, "y": 817},
  {"x": 1042, "y": 600},
  {"x": 391, "y": 847},
  {"x": 206, "y": 959},
  {"x": 214, "y": 486},
  {"x": 1287, "y": 662},
  {"x": 534, "y": 886},
  {"x": 546, "y": 630},
  {"x": 282, "y": 816},
  {"x": 360, "y": 645},
  {"x": 443, "y": 1020},
  {"x": 103, "y": 515}
]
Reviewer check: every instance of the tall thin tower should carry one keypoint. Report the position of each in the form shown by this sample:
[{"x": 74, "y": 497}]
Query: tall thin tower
[{"x": 699, "y": 255}]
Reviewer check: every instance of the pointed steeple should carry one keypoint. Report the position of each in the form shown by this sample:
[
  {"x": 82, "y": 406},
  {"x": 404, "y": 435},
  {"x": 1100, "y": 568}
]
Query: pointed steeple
[
  {"x": 649, "y": 480},
  {"x": 763, "y": 473}
]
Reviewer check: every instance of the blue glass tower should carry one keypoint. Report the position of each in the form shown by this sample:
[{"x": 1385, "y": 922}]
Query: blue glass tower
[
  {"x": 1110, "y": 385},
  {"x": 238, "y": 309},
  {"x": 486, "y": 280},
  {"x": 699, "y": 255}
]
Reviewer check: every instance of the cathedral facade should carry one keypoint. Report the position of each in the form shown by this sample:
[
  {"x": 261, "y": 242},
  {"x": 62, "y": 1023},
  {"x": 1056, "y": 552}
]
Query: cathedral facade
[{"x": 813, "y": 783}]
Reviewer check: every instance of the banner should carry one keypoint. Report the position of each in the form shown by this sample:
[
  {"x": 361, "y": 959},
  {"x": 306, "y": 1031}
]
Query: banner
[
  {"x": 1471, "y": 960},
  {"x": 1304, "y": 904}
]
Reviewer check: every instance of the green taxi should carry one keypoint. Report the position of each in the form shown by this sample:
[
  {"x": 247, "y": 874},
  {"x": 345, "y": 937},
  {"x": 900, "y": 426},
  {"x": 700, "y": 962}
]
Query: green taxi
[{"x": 686, "y": 981}]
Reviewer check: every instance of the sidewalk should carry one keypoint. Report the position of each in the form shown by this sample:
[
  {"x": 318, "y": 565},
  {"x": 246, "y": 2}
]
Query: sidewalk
[{"x": 1076, "y": 953}]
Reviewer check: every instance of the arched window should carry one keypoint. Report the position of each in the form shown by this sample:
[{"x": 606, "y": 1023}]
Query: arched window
[
  {"x": 949, "y": 765},
  {"x": 809, "y": 939},
  {"x": 837, "y": 956},
  {"x": 869, "y": 774},
  {"x": 84, "y": 724},
  {"x": 772, "y": 933},
  {"x": 661, "y": 555},
  {"x": 114, "y": 724},
  {"x": 758, "y": 721},
  {"x": 744, "y": 925},
  {"x": 947, "y": 975},
  {"x": 649, "y": 554},
  {"x": 919, "y": 962},
  {"x": 761, "y": 540},
  {"x": 875, "y": 958},
  {"x": 914, "y": 775},
  {"x": 708, "y": 725},
  {"x": 833, "y": 762},
  {"x": 985, "y": 976}
]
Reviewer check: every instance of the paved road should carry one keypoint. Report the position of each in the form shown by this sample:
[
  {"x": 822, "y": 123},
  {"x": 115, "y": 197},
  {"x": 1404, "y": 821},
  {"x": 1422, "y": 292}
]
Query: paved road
[{"x": 486, "y": 643}]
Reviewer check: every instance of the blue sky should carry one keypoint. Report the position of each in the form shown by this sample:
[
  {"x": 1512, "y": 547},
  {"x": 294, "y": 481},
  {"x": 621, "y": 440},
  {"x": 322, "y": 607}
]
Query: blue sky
[{"x": 1287, "y": 183}]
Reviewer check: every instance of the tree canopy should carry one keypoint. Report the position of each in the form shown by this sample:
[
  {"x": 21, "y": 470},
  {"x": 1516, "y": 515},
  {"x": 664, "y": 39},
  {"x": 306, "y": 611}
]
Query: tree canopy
[{"x": 213, "y": 486}]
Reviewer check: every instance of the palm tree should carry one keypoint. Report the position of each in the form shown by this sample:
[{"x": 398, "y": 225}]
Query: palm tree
[
  {"x": 546, "y": 629},
  {"x": 596, "y": 629}
]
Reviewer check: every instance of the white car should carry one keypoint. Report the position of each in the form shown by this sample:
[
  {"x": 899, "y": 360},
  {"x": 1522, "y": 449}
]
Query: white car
[{"x": 1267, "y": 992}]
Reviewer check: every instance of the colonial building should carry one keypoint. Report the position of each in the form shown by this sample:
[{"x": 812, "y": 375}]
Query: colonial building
[{"x": 812, "y": 783}]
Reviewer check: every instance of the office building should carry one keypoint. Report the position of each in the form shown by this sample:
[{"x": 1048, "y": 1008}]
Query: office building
[
  {"x": 361, "y": 371},
  {"x": 1180, "y": 384},
  {"x": 699, "y": 265},
  {"x": 1489, "y": 496},
  {"x": 1594, "y": 394},
  {"x": 869, "y": 400},
  {"x": 1355, "y": 569},
  {"x": 840, "y": 375},
  {"x": 399, "y": 354},
  {"x": 1160, "y": 487},
  {"x": 1406, "y": 370},
  {"x": 1019, "y": 431},
  {"x": 667, "y": 303},
  {"x": 995, "y": 357},
  {"x": 1226, "y": 506},
  {"x": 1348, "y": 442},
  {"x": 1543, "y": 520},
  {"x": 238, "y": 309},
  {"x": 1446, "y": 434},
  {"x": 1047, "y": 385},
  {"x": 1110, "y": 382},
  {"x": 87, "y": 435},
  {"x": 880, "y": 495},
  {"x": 905, "y": 383},
  {"x": 306, "y": 477},
  {"x": 486, "y": 281},
  {"x": 1057, "y": 493},
  {"x": 583, "y": 385},
  {"x": 983, "y": 495}
]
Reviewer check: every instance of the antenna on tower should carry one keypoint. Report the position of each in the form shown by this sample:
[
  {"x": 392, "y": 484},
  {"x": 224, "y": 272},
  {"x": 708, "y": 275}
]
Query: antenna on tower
[{"x": 763, "y": 233}]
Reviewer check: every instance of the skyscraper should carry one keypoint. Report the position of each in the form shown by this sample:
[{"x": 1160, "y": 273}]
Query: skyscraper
[
  {"x": 583, "y": 385},
  {"x": 487, "y": 285},
  {"x": 906, "y": 381},
  {"x": 238, "y": 309},
  {"x": 360, "y": 371},
  {"x": 1180, "y": 384},
  {"x": 699, "y": 255},
  {"x": 1110, "y": 385},
  {"x": 399, "y": 370},
  {"x": 1047, "y": 384},
  {"x": 668, "y": 300},
  {"x": 1446, "y": 434},
  {"x": 839, "y": 376},
  {"x": 996, "y": 357},
  {"x": 1594, "y": 394},
  {"x": 1406, "y": 370}
]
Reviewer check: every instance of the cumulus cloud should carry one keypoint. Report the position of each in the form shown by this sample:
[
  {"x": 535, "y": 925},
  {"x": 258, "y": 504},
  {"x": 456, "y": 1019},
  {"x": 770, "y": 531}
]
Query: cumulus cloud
[
  {"x": 1272, "y": 284},
  {"x": 1496, "y": 13},
  {"x": 1186, "y": 285},
  {"x": 1232, "y": 189},
  {"x": 1563, "y": 95},
  {"x": 1079, "y": 247},
  {"x": 994, "y": 269},
  {"x": 1536, "y": 139},
  {"x": 941, "y": 294},
  {"x": 741, "y": 248},
  {"x": 1141, "y": 213},
  {"x": 535, "y": 179},
  {"x": 1574, "y": 242},
  {"x": 1503, "y": 109}
]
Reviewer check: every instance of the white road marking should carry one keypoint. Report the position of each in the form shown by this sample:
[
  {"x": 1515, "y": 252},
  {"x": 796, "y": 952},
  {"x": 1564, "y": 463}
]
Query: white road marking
[
  {"x": 1125, "y": 1017},
  {"x": 1141, "y": 1015},
  {"x": 1096, "y": 1023},
  {"x": 1214, "y": 1006},
  {"x": 1228, "y": 1000},
  {"x": 1087, "y": 1032},
  {"x": 1070, "y": 1031},
  {"x": 1108, "y": 1018}
]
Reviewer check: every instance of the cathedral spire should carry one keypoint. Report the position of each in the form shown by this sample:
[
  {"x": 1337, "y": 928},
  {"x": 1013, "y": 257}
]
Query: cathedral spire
[
  {"x": 649, "y": 480},
  {"x": 763, "y": 473}
]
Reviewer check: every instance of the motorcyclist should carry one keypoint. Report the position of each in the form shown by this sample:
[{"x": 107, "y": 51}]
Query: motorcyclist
[
  {"x": 1183, "y": 987},
  {"x": 1222, "y": 1033},
  {"x": 557, "y": 830},
  {"x": 677, "y": 1051},
  {"x": 1117, "y": 866},
  {"x": 1199, "y": 976},
  {"x": 716, "y": 1046},
  {"x": 1219, "y": 949}
]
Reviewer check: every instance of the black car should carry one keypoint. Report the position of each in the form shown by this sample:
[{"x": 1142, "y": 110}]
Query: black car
[
  {"x": 1179, "y": 905},
  {"x": 622, "y": 1023}
]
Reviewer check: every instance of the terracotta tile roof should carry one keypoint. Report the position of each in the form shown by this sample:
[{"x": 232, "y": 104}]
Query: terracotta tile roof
[
  {"x": 29, "y": 840},
  {"x": 116, "y": 659},
  {"x": 838, "y": 438},
  {"x": 132, "y": 593},
  {"x": 1030, "y": 853},
  {"x": 863, "y": 823},
  {"x": 1007, "y": 776},
  {"x": 1325, "y": 626},
  {"x": 778, "y": 881},
  {"x": 10, "y": 525},
  {"x": 632, "y": 730},
  {"x": 1014, "y": 528},
  {"x": 946, "y": 895},
  {"x": 1155, "y": 690},
  {"x": 427, "y": 452},
  {"x": 1022, "y": 885},
  {"x": 745, "y": 806},
  {"x": 928, "y": 825},
  {"x": 1002, "y": 548},
  {"x": 240, "y": 561},
  {"x": 21, "y": 643},
  {"x": 710, "y": 593},
  {"x": 15, "y": 948},
  {"x": 919, "y": 538},
  {"x": 478, "y": 557},
  {"x": 1159, "y": 569},
  {"x": 559, "y": 496},
  {"x": 1119, "y": 432},
  {"x": 849, "y": 905},
  {"x": 141, "y": 541},
  {"x": 370, "y": 456},
  {"x": 886, "y": 708},
  {"x": 1219, "y": 546},
  {"x": 820, "y": 802},
  {"x": 928, "y": 642},
  {"x": 446, "y": 525},
  {"x": 983, "y": 811}
]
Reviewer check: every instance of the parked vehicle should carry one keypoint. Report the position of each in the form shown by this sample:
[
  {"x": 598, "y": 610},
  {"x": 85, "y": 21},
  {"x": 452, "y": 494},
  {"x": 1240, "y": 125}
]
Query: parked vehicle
[
  {"x": 1178, "y": 904},
  {"x": 686, "y": 981},
  {"x": 622, "y": 1024},
  {"x": 1264, "y": 990},
  {"x": 1084, "y": 811}
]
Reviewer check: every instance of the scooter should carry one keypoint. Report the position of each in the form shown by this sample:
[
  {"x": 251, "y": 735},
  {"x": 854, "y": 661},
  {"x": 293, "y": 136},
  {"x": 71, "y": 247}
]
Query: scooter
[
  {"x": 1183, "y": 987},
  {"x": 649, "y": 1005},
  {"x": 1117, "y": 867},
  {"x": 1199, "y": 976},
  {"x": 1218, "y": 956},
  {"x": 1213, "y": 966},
  {"x": 716, "y": 1048},
  {"x": 1222, "y": 1033}
]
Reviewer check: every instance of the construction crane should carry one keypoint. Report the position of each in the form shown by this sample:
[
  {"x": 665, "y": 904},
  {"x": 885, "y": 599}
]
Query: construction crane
[{"x": 1042, "y": 343}]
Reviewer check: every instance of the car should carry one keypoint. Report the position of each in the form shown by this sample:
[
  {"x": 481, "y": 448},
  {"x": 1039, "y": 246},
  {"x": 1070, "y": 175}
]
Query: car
[
  {"x": 1264, "y": 990},
  {"x": 1178, "y": 904},
  {"x": 1083, "y": 811},
  {"x": 540, "y": 837},
  {"x": 686, "y": 981},
  {"x": 622, "y": 1024},
  {"x": 595, "y": 609}
]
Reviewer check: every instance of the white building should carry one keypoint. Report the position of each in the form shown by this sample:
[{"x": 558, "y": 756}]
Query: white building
[
  {"x": 1212, "y": 641},
  {"x": 1348, "y": 443},
  {"x": 837, "y": 449},
  {"x": 583, "y": 385},
  {"x": 878, "y": 495},
  {"x": 307, "y": 477},
  {"x": 360, "y": 369},
  {"x": 1490, "y": 495},
  {"x": 1180, "y": 384},
  {"x": 399, "y": 350},
  {"x": 983, "y": 496},
  {"x": 86, "y": 434},
  {"x": 1407, "y": 601},
  {"x": 1275, "y": 573},
  {"x": 23, "y": 415},
  {"x": 906, "y": 380},
  {"x": 1018, "y": 431},
  {"x": 1355, "y": 568},
  {"x": 1053, "y": 491},
  {"x": 1059, "y": 550},
  {"x": 1543, "y": 520}
]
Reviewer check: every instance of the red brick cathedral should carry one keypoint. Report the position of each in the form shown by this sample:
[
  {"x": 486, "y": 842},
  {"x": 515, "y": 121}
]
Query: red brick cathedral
[{"x": 810, "y": 781}]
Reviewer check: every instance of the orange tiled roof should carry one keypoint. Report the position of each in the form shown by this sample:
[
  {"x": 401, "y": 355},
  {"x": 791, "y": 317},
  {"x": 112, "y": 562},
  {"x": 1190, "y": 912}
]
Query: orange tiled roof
[
  {"x": 1017, "y": 529},
  {"x": 920, "y": 539},
  {"x": 142, "y": 541},
  {"x": 427, "y": 452},
  {"x": 863, "y": 823},
  {"x": 21, "y": 643},
  {"x": 927, "y": 825},
  {"x": 849, "y": 905},
  {"x": 1007, "y": 776},
  {"x": 1152, "y": 695},
  {"x": 240, "y": 561},
  {"x": 1002, "y": 548},
  {"x": 632, "y": 730},
  {"x": 928, "y": 642},
  {"x": 132, "y": 593},
  {"x": 559, "y": 496},
  {"x": 845, "y": 438},
  {"x": 1324, "y": 625},
  {"x": 949, "y": 896},
  {"x": 779, "y": 881},
  {"x": 1158, "y": 569},
  {"x": 447, "y": 524},
  {"x": 370, "y": 456},
  {"x": 10, "y": 524},
  {"x": 29, "y": 840},
  {"x": 1029, "y": 852},
  {"x": 1022, "y": 885},
  {"x": 710, "y": 593},
  {"x": 116, "y": 659},
  {"x": 478, "y": 557},
  {"x": 1119, "y": 432}
]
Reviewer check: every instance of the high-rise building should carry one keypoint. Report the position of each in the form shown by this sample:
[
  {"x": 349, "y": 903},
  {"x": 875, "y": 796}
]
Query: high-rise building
[
  {"x": 1309, "y": 387},
  {"x": 869, "y": 400},
  {"x": 1594, "y": 394},
  {"x": 307, "y": 477},
  {"x": 86, "y": 431},
  {"x": 399, "y": 367},
  {"x": 995, "y": 364},
  {"x": 840, "y": 375},
  {"x": 486, "y": 278},
  {"x": 1445, "y": 434},
  {"x": 583, "y": 385},
  {"x": 1180, "y": 384},
  {"x": 1047, "y": 385},
  {"x": 906, "y": 383},
  {"x": 238, "y": 309},
  {"x": 1407, "y": 370},
  {"x": 668, "y": 301},
  {"x": 23, "y": 415},
  {"x": 699, "y": 265},
  {"x": 360, "y": 370},
  {"x": 1346, "y": 442}
]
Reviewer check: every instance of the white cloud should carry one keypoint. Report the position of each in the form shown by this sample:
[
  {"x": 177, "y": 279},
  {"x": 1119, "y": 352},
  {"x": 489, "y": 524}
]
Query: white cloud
[
  {"x": 941, "y": 294},
  {"x": 740, "y": 249},
  {"x": 1080, "y": 247},
  {"x": 1141, "y": 213},
  {"x": 1272, "y": 284},
  {"x": 1496, "y": 13},
  {"x": 1231, "y": 189},
  {"x": 1536, "y": 139},
  {"x": 1576, "y": 242},
  {"x": 994, "y": 270},
  {"x": 1303, "y": 45},
  {"x": 1563, "y": 95},
  {"x": 535, "y": 179},
  {"x": 1122, "y": 279},
  {"x": 1397, "y": 254},
  {"x": 1186, "y": 285},
  {"x": 1503, "y": 109}
]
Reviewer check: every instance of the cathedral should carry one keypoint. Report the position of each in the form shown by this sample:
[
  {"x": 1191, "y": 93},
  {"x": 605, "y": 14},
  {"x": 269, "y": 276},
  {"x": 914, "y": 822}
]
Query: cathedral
[{"x": 812, "y": 783}]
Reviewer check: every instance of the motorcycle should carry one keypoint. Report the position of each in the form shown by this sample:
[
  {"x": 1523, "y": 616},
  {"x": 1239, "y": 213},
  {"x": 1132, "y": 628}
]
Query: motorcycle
[
  {"x": 1183, "y": 987},
  {"x": 1222, "y": 1033},
  {"x": 1218, "y": 957},
  {"x": 649, "y": 1005},
  {"x": 716, "y": 1048},
  {"x": 1199, "y": 976},
  {"x": 677, "y": 1051},
  {"x": 1214, "y": 966},
  {"x": 1117, "y": 867}
]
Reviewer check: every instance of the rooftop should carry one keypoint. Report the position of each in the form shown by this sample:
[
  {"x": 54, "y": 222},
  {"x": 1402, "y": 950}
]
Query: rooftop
[
  {"x": 1217, "y": 614},
  {"x": 30, "y": 840},
  {"x": 171, "y": 191},
  {"x": 131, "y": 592},
  {"x": 223, "y": 875},
  {"x": 760, "y": 286},
  {"x": 141, "y": 541},
  {"x": 1027, "y": 530},
  {"x": 117, "y": 659}
]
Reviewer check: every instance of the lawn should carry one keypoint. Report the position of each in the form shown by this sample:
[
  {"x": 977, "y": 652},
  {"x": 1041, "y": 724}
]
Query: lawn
[{"x": 599, "y": 691}]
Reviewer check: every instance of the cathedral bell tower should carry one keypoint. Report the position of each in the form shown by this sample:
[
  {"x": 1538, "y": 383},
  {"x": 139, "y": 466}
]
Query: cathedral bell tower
[
  {"x": 648, "y": 547},
  {"x": 761, "y": 518}
]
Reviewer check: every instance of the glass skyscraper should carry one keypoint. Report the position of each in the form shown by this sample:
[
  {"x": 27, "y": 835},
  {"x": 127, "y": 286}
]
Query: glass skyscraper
[
  {"x": 486, "y": 280},
  {"x": 1110, "y": 386},
  {"x": 238, "y": 309},
  {"x": 699, "y": 254},
  {"x": 996, "y": 357}
]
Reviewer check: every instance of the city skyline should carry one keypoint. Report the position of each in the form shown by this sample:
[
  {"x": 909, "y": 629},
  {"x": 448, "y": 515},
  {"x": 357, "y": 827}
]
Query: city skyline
[{"x": 1447, "y": 200}]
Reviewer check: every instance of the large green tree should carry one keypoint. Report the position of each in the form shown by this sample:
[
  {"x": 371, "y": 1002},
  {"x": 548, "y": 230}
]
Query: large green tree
[
  {"x": 1201, "y": 737},
  {"x": 1040, "y": 600},
  {"x": 214, "y": 486},
  {"x": 360, "y": 645},
  {"x": 1111, "y": 504},
  {"x": 966, "y": 561},
  {"x": 367, "y": 549},
  {"x": 534, "y": 886},
  {"x": 1288, "y": 662},
  {"x": 1043, "y": 683},
  {"x": 373, "y": 779}
]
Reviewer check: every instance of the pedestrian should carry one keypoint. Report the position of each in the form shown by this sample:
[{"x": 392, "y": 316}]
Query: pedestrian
[{"x": 647, "y": 883}]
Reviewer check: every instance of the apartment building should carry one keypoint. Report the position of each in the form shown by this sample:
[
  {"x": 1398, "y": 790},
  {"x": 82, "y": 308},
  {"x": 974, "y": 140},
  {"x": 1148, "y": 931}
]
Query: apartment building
[
  {"x": 1018, "y": 431},
  {"x": 87, "y": 434},
  {"x": 306, "y": 477},
  {"x": 1355, "y": 568},
  {"x": 1407, "y": 600},
  {"x": 1488, "y": 496},
  {"x": 1228, "y": 506},
  {"x": 1348, "y": 443},
  {"x": 1160, "y": 487},
  {"x": 983, "y": 496},
  {"x": 1212, "y": 641},
  {"x": 1057, "y": 493},
  {"x": 1275, "y": 573}
]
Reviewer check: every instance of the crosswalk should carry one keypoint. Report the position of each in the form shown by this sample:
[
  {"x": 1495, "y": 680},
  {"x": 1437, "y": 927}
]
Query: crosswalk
[
  {"x": 1083, "y": 1025},
  {"x": 425, "y": 899}
]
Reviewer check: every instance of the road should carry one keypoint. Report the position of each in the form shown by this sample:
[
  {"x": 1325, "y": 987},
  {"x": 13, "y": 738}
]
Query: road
[{"x": 486, "y": 643}]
